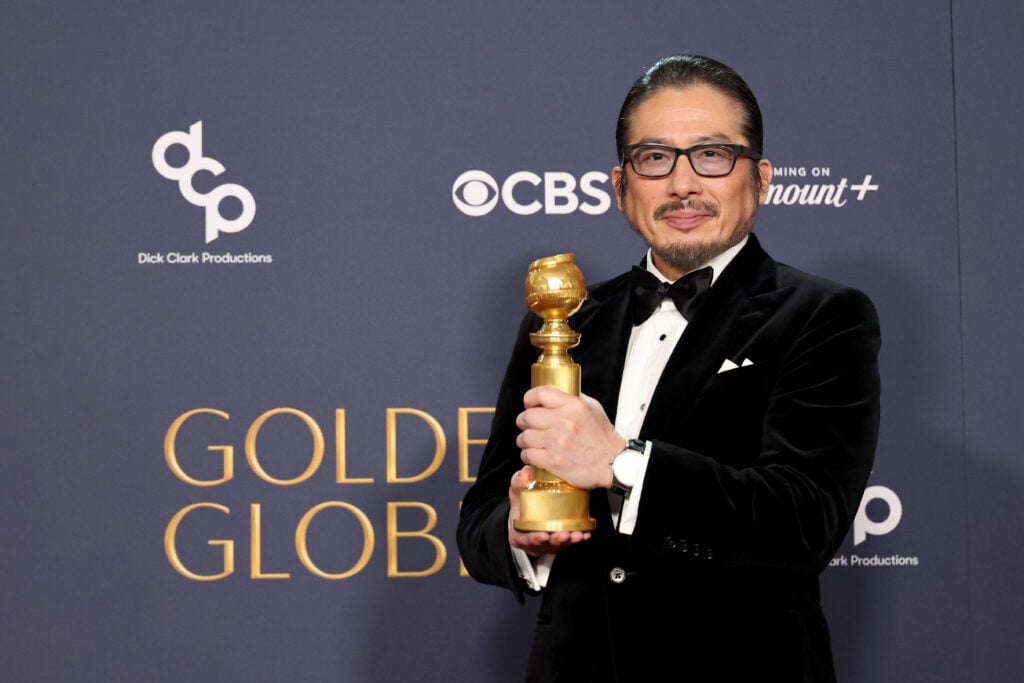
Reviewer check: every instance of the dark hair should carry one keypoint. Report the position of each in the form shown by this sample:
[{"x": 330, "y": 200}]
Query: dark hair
[{"x": 683, "y": 71}]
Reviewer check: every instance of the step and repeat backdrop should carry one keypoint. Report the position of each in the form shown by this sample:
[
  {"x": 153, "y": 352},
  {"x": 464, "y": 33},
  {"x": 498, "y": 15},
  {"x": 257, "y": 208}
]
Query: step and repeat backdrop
[{"x": 263, "y": 264}]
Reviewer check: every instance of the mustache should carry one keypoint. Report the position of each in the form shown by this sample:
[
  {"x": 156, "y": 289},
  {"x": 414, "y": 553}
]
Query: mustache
[{"x": 686, "y": 205}]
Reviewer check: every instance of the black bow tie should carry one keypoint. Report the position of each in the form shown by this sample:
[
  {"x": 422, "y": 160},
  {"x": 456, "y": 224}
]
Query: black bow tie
[{"x": 647, "y": 292}]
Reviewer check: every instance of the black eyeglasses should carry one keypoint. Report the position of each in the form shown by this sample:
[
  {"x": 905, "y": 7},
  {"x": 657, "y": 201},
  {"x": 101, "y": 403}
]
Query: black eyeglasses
[{"x": 710, "y": 159}]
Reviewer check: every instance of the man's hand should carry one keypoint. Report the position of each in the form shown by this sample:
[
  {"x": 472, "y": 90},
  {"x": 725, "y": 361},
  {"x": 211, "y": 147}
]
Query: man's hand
[
  {"x": 569, "y": 436},
  {"x": 536, "y": 543}
]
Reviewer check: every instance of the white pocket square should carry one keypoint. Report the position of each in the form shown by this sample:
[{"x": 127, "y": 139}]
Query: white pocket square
[{"x": 730, "y": 365}]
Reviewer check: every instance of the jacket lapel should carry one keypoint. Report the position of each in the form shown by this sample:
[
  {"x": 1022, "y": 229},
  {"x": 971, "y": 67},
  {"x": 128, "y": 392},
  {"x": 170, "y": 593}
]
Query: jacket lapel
[
  {"x": 739, "y": 302},
  {"x": 604, "y": 329}
]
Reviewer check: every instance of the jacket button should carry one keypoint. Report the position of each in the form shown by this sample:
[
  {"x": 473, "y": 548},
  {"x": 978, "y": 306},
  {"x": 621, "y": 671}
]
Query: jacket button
[{"x": 617, "y": 575}]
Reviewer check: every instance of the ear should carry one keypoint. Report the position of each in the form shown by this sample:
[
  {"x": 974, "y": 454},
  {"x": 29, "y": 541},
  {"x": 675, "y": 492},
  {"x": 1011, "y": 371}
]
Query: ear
[
  {"x": 765, "y": 172},
  {"x": 617, "y": 179}
]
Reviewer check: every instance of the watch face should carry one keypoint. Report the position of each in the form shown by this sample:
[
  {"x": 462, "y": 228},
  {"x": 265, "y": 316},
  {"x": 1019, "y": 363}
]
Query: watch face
[{"x": 624, "y": 468}]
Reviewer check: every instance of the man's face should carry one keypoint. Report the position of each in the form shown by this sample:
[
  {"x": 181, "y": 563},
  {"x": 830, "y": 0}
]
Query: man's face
[{"x": 685, "y": 218}]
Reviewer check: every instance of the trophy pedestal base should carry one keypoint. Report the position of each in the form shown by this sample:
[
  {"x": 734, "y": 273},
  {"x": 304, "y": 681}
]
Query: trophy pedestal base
[{"x": 554, "y": 508}]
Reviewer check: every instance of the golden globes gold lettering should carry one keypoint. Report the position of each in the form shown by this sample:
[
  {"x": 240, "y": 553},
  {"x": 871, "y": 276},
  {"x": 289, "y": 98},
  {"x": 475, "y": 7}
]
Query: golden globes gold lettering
[
  {"x": 205, "y": 540},
  {"x": 555, "y": 289}
]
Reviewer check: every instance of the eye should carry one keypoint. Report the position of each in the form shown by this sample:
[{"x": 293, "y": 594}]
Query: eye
[
  {"x": 716, "y": 153},
  {"x": 645, "y": 154},
  {"x": 656, "y": 155}
]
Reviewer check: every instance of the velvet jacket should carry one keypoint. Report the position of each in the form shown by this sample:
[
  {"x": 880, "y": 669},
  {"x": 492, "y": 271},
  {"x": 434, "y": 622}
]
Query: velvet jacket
[{"x": 754, "y": 478}]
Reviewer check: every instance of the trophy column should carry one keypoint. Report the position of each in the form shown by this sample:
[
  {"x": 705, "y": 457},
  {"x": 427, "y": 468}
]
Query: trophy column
[{"x": 555, "y": 289}]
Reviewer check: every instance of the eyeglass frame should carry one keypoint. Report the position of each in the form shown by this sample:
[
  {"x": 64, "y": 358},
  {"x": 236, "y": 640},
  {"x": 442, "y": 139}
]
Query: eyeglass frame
[{"x": 739, "y": 150}]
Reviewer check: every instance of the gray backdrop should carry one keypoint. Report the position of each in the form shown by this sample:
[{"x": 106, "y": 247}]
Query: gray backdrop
[{"x": 248, "y": 468}]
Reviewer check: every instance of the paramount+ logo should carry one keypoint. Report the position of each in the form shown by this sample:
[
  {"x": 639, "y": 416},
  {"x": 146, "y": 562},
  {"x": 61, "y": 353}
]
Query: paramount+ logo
[
  {"x": 192, "y": 142},
  {"x": 477, "y": 193}
]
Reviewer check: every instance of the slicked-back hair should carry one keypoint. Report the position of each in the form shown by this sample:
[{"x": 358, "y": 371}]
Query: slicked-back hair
[{"x": 683, "y": 71}]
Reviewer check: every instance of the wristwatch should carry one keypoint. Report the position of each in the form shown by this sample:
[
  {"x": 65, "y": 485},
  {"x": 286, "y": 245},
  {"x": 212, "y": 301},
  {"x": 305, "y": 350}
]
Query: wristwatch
[{"x": 626, "y": 466}]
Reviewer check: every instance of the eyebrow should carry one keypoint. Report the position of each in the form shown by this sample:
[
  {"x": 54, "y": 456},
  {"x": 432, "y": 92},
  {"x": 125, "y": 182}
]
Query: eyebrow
[{"x": 704, "y": 139}]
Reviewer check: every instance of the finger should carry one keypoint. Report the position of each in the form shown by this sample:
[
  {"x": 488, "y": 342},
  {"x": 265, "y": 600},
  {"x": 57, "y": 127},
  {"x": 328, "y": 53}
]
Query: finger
[
  {"x": 534, "y": 543},
  {"x": 559, "y": 538},
  {"x": 530, "y": 439},
  {"x": 520, "y": 478},
  {"x": 536, "y": 417},
  {"x": 545, "y": 396},
  {"x": 525, "y": 420},
  {"x": 531, "y": 457}
]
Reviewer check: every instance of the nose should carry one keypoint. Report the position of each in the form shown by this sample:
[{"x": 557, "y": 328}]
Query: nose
[{"x": 684, "y": 181}]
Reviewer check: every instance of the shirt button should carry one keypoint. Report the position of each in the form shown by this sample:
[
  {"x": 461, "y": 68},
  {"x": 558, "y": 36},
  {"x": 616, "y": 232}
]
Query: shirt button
[{"x": 617, "y": 575}]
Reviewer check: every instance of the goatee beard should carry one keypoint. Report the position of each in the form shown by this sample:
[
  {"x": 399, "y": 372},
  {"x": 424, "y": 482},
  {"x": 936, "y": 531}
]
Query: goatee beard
[{"x": 689, "y": 257}]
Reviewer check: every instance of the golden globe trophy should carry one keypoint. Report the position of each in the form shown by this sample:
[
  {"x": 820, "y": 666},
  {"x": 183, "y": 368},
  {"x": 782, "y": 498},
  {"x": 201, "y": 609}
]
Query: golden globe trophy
[{"x": 555, "y": 289}]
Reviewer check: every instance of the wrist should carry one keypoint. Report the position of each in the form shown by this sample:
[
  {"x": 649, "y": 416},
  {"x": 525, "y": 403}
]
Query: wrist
[{"x": 608, "y": 480}]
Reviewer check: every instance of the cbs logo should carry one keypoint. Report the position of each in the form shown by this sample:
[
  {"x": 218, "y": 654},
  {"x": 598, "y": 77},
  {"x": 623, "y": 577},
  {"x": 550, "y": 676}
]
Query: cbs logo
[
  {"x": 476, "y": 193},
  {"x": 863, "y": 525},
  {"x": 192, "y": 141}
]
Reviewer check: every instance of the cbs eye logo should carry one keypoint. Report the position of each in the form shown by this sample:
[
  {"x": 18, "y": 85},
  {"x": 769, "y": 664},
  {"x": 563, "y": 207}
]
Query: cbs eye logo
[
  {"x": 192, "y": 141},
  {"x": 476, "y": 193}
]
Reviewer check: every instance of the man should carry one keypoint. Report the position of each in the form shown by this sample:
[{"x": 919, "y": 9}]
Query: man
[{"x": 725, "y": 444}]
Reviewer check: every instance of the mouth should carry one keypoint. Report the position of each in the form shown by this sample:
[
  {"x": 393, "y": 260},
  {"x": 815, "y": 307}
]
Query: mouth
[
  {"x": 685, "y": 220},
  {"x": 685, "y": 216}
]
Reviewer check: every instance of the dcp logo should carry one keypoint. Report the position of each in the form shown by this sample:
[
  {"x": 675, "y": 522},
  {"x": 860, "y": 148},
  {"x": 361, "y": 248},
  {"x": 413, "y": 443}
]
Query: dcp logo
[
  {"x": 864, "y": 525},
  {"x": 476, "y": 193},
  {"x": 192, "y": 141}
]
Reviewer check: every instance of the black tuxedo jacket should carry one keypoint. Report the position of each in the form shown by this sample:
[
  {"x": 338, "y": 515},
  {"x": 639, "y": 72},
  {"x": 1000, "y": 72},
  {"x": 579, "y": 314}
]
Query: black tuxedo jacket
[{"x": 755, "y": 475}]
